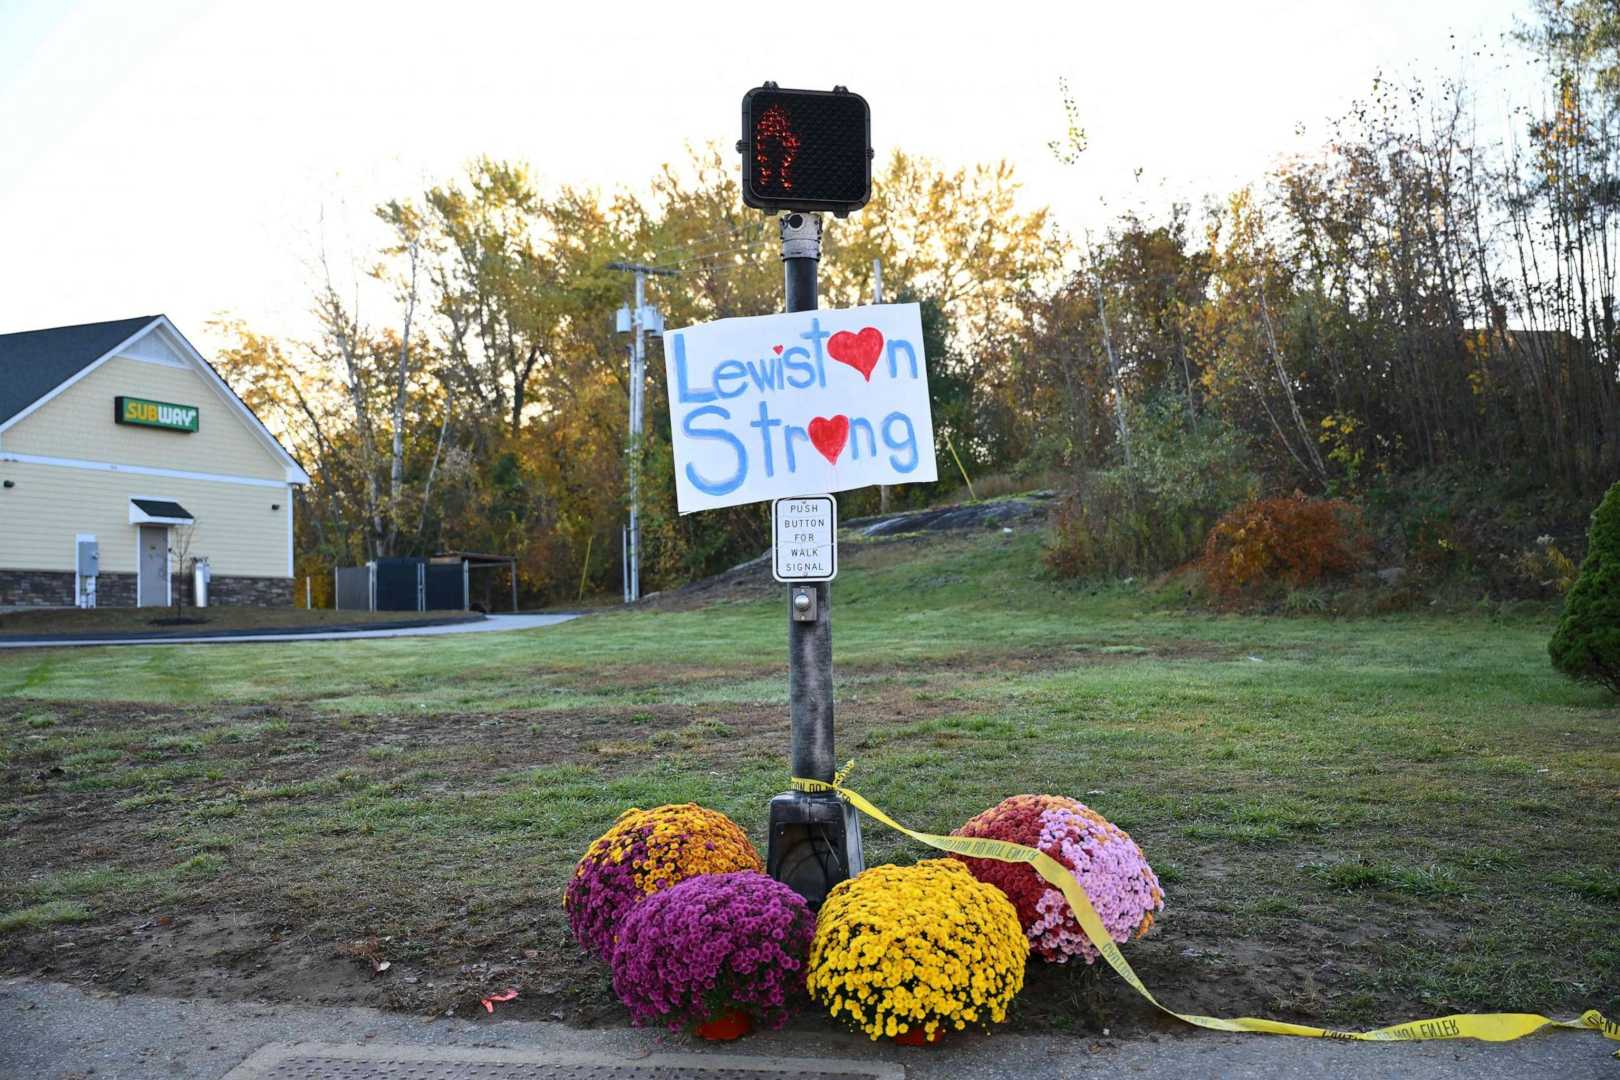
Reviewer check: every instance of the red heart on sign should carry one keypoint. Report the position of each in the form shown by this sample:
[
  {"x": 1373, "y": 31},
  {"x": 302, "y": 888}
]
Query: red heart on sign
[
  {"x": 860, "y": 351},
  {"x": 829, "y": 436},
  {"x": 777, "y": 349}
]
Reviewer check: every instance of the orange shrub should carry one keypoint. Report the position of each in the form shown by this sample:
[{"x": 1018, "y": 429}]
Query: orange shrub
[{"x": 1295, "y": 541}]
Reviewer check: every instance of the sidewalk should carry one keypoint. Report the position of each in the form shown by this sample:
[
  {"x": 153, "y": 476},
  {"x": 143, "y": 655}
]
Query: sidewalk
[
  {"x": 489, "y": 624},
  {"x": 53, "y": 1032}
]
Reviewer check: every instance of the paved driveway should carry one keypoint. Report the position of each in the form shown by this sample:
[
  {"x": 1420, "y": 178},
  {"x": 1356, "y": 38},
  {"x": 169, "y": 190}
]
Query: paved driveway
[{"x": 491, "y": 624}]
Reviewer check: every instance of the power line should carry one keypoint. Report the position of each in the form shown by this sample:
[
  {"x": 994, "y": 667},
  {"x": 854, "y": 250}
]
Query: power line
[
  {"x": 719, "y": 236},
  {"x": 715, "y": 241},
  {"x": 713, "y": 269},
  {"x": 719, "y": 253},
  {"x": 711, "y": 262}
]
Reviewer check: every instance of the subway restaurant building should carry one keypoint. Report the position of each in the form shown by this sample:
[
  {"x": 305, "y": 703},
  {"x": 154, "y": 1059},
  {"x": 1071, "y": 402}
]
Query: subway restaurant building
[{"x": 124, "y": 457}]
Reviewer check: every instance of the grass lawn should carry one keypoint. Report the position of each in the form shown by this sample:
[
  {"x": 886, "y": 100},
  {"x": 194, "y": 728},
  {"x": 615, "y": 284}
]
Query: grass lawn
[
  {"x": 99, "y": 621},
  {"x": 1356, "y": 821}
]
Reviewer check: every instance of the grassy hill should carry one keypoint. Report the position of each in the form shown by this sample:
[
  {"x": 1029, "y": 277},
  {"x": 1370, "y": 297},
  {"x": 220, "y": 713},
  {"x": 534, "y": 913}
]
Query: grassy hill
[{"x": 1357, "y": 821}]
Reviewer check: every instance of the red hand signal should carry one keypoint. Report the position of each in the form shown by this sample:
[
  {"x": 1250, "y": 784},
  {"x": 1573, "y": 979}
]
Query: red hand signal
[{"x": 775, "y": 146}]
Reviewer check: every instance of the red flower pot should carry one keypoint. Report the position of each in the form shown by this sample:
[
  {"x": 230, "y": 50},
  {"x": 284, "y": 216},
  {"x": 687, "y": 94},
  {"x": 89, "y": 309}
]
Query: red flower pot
[
  {"x": 916, "y": 1037},
  {"x": 725, "y": 1027}
]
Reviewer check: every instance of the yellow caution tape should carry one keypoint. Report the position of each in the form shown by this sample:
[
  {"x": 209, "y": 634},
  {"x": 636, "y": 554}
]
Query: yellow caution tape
[{"x": 1491, "y": 1027}]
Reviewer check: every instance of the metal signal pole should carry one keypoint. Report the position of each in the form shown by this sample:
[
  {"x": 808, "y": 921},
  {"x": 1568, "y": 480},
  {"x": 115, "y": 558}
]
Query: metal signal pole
[
  {"x": 810, "y": 696},
  {"x": 815, "y": 838},
  {"x": 806, "y": 152}
]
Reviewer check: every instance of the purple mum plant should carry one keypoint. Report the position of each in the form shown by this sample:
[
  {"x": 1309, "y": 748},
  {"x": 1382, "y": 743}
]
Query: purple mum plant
[
  {"x": 713, "y": 944},
  {"x": 644, "y": 852}
]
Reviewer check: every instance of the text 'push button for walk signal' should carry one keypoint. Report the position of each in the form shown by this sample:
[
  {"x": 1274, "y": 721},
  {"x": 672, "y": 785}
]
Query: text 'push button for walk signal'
[{"x": 804, "y": 538}]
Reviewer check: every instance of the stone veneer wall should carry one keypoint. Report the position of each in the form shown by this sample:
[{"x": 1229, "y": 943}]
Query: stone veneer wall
[
  {"x": 36, "y": 588},
  {"x": 249, "y": 591},
  {"x": 54, "y": 588},
  {"x": 115, "y": 590}
]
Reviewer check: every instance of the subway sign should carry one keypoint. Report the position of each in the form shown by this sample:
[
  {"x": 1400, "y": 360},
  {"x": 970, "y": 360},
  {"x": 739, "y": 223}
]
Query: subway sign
[{"x": 158, "y": 414}]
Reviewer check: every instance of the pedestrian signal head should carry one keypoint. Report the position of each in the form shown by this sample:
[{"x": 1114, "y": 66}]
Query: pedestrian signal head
[{"x": 806, "y": 150}]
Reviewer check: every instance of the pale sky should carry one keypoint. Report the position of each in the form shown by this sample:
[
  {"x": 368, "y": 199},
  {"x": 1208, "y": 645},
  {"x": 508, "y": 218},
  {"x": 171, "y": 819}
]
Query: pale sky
[{"x": 179, "y": 155}]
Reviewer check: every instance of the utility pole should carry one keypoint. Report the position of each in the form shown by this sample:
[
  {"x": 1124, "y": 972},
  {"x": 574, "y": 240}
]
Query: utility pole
[
  {"x": 630, "y": 471},
  {"x": 641, "y": 318}
]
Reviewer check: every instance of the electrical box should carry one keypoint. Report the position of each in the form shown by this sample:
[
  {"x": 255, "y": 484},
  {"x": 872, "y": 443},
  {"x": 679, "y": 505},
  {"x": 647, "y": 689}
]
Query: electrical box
[{"x": 89, "y": 558}]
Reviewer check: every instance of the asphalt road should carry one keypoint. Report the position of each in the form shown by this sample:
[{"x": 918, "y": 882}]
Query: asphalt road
[
  {"x": 54, "y": 1032},
  {"x": 490, "y": 624}
]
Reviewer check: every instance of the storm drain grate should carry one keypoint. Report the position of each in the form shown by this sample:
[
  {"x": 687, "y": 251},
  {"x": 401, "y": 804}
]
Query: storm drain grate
[{"x": 314, "y": 1061}]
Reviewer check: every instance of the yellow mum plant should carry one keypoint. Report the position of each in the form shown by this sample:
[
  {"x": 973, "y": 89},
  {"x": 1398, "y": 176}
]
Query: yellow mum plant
[{"x": 926, "y": 946}]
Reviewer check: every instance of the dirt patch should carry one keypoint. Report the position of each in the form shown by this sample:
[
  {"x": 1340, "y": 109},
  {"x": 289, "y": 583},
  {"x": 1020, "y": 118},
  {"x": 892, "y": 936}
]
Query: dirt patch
[
  {"x": 258, "y": 932},
  {"x": 973, "y": 663},
  {"x": 254, "y": 948},
  {"x": 414, "y": 860},
  {"x": 132, "y": 791}
]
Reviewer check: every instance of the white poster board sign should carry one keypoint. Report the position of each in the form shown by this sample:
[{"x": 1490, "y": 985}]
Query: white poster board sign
[
  {"x": 804, "y": 538},
  {"x": 798, "y": 404}
]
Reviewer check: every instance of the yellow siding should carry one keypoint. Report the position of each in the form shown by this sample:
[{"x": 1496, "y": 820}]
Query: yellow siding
[
  {"x": 50, "y": 504},
  {"x": 78, "y": 424}
]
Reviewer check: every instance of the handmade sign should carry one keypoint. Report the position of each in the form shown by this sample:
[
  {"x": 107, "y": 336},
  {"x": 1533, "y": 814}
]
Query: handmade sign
[{"x": 798, "y": 404}]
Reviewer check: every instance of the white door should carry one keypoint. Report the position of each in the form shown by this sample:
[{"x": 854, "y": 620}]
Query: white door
[{"x": 154, "y": 574}]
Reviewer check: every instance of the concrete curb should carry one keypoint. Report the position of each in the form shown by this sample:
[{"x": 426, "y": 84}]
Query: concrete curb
[{"x": 270, "y": 1062}]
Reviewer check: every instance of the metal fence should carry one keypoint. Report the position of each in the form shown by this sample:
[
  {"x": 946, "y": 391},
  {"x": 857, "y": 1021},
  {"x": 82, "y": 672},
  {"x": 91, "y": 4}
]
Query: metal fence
[
  {"x": 351, "y": 588},
  {"x": 404, "y": 584},
  {"x": 444, "y": 586}
]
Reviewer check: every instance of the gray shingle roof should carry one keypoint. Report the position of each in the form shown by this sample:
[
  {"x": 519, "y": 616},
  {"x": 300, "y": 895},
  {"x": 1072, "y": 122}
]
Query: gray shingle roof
[
  {"x": 35, "y": 362},
  {"x": 162, "y": 508}
]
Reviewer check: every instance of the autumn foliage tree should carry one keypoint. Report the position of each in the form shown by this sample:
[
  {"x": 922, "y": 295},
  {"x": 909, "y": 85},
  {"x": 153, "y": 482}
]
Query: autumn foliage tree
[
  {"x": 489, "y": 412},
  {"x": 1406, "y": 317}
]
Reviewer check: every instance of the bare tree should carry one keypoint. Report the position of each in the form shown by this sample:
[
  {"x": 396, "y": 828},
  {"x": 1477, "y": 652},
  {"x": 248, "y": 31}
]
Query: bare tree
[{"x": 181, "y": 538}]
